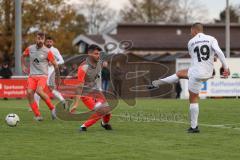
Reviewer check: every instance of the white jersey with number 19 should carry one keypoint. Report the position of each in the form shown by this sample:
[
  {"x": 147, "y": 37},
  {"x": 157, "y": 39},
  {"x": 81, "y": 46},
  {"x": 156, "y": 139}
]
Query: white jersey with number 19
[{"x": 202, "y": 49}]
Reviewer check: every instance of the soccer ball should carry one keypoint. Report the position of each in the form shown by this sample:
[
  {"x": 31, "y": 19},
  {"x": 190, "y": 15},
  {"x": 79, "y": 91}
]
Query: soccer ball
[{"x": 12, "y": 119}]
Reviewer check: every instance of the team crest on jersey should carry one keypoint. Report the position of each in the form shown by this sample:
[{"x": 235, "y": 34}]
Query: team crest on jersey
[{"x": 36, "y": 61}]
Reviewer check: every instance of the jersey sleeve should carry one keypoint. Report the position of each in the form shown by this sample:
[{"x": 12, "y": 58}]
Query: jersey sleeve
[
  {"x": 81, "y": 74},
  {"x": 219, "y": 53},
  {"x": 59, "y": 57},
  {"x": 26, "y": 52},
  {"x": 50, "y": 56}
]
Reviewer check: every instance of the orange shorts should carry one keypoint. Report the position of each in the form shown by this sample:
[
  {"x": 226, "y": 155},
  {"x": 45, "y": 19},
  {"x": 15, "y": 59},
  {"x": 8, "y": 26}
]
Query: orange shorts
[
  {"x": 91, "y": 102},
  {"x": 34, "y": 82}
]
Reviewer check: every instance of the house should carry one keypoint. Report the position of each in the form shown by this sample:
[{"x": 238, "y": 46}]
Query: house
[{"x": 155, "y": 38}]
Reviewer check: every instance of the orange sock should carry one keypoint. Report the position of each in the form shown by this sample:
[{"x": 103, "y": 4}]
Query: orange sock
[
  {"x": 92, "y": 120},
  {"x": 106, "y": 118},
  {"x": 35, "y": 109},
  {"x": 49, "y": 104}
]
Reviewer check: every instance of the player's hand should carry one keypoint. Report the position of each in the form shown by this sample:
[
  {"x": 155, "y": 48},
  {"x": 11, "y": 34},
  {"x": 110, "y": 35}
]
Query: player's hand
[
  {"x": 25, "y": 70},
  {"x": 226, "y": 73}
]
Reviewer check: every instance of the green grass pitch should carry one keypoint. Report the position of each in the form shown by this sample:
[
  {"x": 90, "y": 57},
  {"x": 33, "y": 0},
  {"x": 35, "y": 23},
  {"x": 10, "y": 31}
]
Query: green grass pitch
[{"x": 154, "y": 129}]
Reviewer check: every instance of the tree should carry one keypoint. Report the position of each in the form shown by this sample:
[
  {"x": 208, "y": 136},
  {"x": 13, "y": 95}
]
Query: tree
[
  {"x": 54, "y": 17},
  {"x": 57, "y": 19},
  {"x": 191, "y": 10},
  {"x": 98, "y": 14},
  {"x": 149, "y": 11},
  {"x": 6, "y": 29},
  {"x": 158, "y": 11},
  {"x": 234, "y": 15}
]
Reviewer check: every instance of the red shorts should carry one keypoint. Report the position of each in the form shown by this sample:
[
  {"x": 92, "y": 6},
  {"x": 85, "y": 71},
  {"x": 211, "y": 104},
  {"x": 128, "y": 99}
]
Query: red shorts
[
  {"x": 91, "y": 102},
  {"x": 34, "y": 82}
]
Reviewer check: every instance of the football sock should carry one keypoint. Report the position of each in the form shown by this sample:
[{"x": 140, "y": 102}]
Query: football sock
[
  {"x": 37, "y": 98},
  {"x": 49, "y": 104},
  {"x": 194, "y": 111},
  {"x": 58, "y": 95},
  {"x": 171, "y": 79},
  {"x": 92, "y": 120},
  {"x": 35, "y": 109},
  {"x": 106, "y": 119}
]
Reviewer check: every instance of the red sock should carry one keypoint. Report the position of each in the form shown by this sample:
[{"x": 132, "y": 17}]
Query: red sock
[
  {"x": 106, "y": 118},
  {"x": 93, "y": 119},
  {"x": 49, "y": 104},
  {"x": 35, "y": 109}
]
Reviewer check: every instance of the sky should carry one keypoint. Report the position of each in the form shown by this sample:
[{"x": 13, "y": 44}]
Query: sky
[{"x": 214, "y": 7}]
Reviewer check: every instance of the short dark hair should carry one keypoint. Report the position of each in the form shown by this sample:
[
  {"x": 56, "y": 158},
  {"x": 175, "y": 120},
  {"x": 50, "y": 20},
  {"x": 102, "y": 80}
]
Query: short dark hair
[
  {"x": 41, "y": 34},
  {"x": 198, "y": 26},
  {"x": 49, "y": 38},
  {"x": 93, "y": 47}
]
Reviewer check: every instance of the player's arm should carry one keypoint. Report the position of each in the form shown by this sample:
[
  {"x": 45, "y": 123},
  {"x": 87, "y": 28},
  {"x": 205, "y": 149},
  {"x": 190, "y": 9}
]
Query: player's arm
[
  {"x": 60, "y": 60},
  {"x": 23, "y": 60},
  {"x": 55, "y": 65},
  {"x": 81, "y": 78},
  {"x": 221, "y": 57}
]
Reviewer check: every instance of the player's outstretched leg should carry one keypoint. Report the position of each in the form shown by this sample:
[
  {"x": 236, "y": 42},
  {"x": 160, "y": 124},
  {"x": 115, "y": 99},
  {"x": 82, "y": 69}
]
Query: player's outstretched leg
[
  {"x": 47, "y": 100},
  {"x": 182, "y": 74},
  {"x": 105, "y": 122},
  {"x": 92, "y": 120}
]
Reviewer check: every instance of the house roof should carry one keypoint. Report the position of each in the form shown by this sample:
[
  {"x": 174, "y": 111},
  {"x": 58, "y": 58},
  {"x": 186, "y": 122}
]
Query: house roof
[
  {"x": 171, "y": 36},
  {"x": 164, "y": 37}
]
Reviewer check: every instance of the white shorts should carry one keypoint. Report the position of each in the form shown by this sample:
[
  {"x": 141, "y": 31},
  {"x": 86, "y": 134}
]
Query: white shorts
[
  {"x": 194, "y": 85},
  {"x": 51, "y": 77}
]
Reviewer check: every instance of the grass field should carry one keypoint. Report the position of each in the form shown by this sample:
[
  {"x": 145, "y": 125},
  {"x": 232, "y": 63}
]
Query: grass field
[{"x": 154, "y": 129}]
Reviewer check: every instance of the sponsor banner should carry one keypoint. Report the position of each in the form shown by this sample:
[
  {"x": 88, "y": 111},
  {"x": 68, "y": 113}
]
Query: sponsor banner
[
  {"x": 217, "y": 87},
  {"x": 222, "y": 87},
  {"x": 16, "y": 88},
  {"x": 10, "y": 88}
]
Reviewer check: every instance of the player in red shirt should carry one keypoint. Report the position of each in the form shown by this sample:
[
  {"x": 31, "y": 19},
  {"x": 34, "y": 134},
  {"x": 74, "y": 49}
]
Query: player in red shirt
[
  {"x": 39, "y": 56},
  {"x": 89, "y": 73}
]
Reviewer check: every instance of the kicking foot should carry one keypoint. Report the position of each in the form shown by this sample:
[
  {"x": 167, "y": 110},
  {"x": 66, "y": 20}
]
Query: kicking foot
[{"x": 150, "y": 87}]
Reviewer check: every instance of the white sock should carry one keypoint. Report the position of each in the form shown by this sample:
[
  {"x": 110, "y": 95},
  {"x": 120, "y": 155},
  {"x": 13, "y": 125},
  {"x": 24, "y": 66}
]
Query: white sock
[
  {"x": 37, "y": 99},
  {"x": 83, "y": 125},
  {"x": 171, "y": 79},
  {"x": 194, "y": 111},
  {"x": 168, "y": 80},
  {"x": 58, "y": 95}
]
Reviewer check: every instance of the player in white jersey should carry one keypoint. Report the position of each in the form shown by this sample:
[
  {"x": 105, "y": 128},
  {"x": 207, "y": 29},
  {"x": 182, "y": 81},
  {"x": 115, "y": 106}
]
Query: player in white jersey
[
  {"x": 51, "y": 72},
  {"x": 202, "y": 49}
]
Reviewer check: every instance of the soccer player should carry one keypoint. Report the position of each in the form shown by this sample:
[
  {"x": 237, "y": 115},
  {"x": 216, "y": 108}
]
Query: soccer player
[
  {"x": 202, "y": 49},
  {"x": 89, "y": 78},
  {"x": 39, "y": 56},
  {"x": 51, "y": 72}
]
